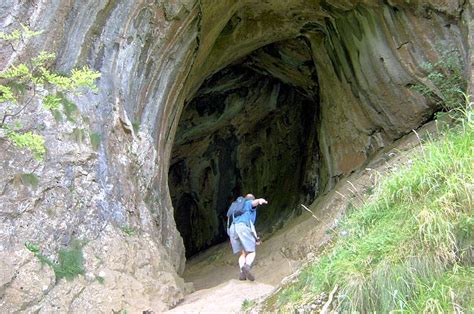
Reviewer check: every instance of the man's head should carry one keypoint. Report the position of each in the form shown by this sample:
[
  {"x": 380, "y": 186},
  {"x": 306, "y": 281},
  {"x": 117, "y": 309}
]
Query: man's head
[{"x": 249, "y": 197}]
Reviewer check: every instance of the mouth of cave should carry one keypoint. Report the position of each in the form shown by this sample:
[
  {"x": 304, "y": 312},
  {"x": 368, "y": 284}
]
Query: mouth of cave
[{"x": 250, "y": 128}]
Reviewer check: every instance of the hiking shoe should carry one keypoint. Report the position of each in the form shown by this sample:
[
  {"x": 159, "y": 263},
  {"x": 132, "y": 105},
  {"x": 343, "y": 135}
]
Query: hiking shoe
[
  {"x": 248, "y": 274},
  {"x": 242, "y": 276}
]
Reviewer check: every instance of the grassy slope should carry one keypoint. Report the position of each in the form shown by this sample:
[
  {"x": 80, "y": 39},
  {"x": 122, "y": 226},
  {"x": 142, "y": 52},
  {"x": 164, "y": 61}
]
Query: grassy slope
[{"x": 409, "y": 248}]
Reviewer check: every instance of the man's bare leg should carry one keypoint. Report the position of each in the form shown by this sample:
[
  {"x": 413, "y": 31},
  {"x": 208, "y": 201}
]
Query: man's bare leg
[
  {"x": 242, "y": 275},
  {"x": 250, "y": 257}
]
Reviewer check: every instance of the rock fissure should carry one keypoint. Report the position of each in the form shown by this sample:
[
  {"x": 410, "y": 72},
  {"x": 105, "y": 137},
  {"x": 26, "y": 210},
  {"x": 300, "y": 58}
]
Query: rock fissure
[{"x": 75, "y": 297}]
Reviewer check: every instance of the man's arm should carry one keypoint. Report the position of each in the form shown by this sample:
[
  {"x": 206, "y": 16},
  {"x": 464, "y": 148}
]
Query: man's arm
[{"x": 259, "y": 201}]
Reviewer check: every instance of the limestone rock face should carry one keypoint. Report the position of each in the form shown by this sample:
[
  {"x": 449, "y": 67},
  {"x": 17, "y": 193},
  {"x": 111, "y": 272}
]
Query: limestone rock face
[
  {"x": 250, "y": 81},
  {"x": 112, "y": 193},
  {"x": 364, "y": 57}
]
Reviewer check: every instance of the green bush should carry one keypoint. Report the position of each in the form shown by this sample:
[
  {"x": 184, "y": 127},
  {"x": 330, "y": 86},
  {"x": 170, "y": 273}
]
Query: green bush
[
  {"x": 25, "y": 33},
  {"x": 51, "y": 102},
  {"x": 95, "y": 140},
  {"x": 19, "y": 86},
  {"x": 29, "y": 179},
  {"x": 129, "y": 231},
  {"x": 447, "y": 78},
  {"x": 32, "y": 141},
  {"x": 70, "y": 262}
]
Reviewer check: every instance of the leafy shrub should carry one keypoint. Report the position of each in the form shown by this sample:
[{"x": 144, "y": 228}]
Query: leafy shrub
[
  {"x": 95, "y": 140},
  {"x": 22, "y": 83},
  {"x": 25, "y": 32},
  {"x": 51, "y": 102},
  {"x": 34, "y": 142},
  {"x": 129, "y": 231},
  {"x": 29, "y": 179},
  {"x": 70, "y": 262},
  {"x": 447, "y": 78}
]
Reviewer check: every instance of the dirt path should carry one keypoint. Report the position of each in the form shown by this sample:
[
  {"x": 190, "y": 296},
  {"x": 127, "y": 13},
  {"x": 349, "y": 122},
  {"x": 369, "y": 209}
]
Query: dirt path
[
  {"x": 214, "y": 272},
  {"x": 224, "y": 298}
]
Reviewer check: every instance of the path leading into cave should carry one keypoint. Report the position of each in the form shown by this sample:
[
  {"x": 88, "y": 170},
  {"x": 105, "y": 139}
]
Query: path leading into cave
[{"x": 214, "y": 272}]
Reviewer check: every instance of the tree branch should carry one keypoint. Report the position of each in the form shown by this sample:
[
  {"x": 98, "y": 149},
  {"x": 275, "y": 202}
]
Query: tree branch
[{"x": 328, "y": 303}]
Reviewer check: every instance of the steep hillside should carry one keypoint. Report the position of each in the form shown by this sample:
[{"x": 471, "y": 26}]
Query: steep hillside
[{"x": 408, "y": 246}]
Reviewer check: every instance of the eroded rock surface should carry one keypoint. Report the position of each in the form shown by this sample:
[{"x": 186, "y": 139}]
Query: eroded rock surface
[
  {"x": 154, "y": 56},
  {"x": 353, "y": 63},
  {"x": 111, "y": 194}
]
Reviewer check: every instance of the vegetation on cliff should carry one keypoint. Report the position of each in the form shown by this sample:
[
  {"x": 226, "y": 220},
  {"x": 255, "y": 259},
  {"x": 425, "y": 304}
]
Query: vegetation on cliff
[
  {"x": 25, "y": 85},
  {"x": 409, "y": 248},
  {"x": 70, "y": 261}
]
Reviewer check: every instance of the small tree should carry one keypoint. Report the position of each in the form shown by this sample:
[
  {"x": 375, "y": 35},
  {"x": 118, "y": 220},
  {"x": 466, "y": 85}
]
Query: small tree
[
  {"x": 448, "y": 82},
  {"x": 24, "y": 85}
]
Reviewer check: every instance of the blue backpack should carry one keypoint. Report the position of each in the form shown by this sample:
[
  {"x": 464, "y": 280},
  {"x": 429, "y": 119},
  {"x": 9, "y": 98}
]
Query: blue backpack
[{"x": 236, "y": 209}]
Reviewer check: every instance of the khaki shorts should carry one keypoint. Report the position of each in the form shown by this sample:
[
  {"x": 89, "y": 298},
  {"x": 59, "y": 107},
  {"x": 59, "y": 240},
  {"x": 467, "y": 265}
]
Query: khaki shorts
[{"x": 242, "y": 238}]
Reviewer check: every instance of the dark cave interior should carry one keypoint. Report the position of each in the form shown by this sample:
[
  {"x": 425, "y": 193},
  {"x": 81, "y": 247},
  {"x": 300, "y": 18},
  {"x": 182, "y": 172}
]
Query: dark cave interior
[{"x": 250, "y": 128}]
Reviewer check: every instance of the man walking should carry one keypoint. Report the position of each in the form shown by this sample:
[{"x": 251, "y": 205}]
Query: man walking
[{"x": 243, "y": 237}]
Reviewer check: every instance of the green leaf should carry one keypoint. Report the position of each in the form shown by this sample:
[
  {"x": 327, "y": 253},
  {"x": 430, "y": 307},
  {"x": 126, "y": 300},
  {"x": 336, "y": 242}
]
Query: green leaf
[
  {"x": 6, "y": 94},
  {"x": 29, "y": 140},
  {"x": 28, "y": 33},
  {"x": 29, "y": 179},
  {"x": 20, "y": 83},
  {"x": 42, "y": 58},
  {"x": 447, "y": 77},
  {"x": 32, "y": 247},
  {"x": 95, "y": 140},
  {"x": 20, "y": 71},
  {"x": 52, "y": 102},
  {"x": 16, "y": 34},
  {"x": 84, "y": 77},
  {"x": 60, "y": 81}
]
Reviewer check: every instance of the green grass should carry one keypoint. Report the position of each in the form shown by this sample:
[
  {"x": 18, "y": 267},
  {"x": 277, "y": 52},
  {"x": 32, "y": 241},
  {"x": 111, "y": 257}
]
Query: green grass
[
  {"x": 95, "y": 140},
  {"x": 100, "y": 279},
  {"x": 128, "y": 230},
  {"x": 70, "y": 263},
  {"x": 409, "y": 248},
  {"x": 29, "y": 179},
  {"x": 247, "y": 304},
  {"x": 136, "y": 126}
]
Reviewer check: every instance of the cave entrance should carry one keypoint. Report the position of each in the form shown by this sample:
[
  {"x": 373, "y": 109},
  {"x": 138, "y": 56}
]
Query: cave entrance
[{"x": 250, "y": 128}]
